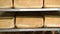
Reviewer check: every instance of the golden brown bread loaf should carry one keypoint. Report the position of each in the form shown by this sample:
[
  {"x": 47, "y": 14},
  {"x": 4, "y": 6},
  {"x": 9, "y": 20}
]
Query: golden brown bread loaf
[
  {"x": 52, "y": 21},
  {"x": 52, "y": 3},
  {"x": 29, "y": 22},
  {"x": 28, "y": 3},
  {"x": 6, "y": 22},
  {"x": 5, "y": 3}
]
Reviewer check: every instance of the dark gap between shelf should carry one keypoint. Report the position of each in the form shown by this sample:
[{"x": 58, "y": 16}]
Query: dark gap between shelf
[
  {"x": 29, "y": 13},
  {"x": 31, "y": 32},
  {"x": 7, "y": 14}
]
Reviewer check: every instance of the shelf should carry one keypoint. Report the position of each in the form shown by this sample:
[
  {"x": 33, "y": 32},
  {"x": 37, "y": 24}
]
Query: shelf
[
  {"x": 38, "y": 29},
  {"x": 41, "y": 9}
]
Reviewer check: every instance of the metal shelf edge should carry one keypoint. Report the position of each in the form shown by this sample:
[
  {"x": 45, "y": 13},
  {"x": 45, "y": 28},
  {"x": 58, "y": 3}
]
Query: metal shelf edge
[
  {"x": 39, "y": 29},
  {"x": 42, "y": 9}
]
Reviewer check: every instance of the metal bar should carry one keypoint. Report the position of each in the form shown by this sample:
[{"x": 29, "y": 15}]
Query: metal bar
[
  {"x": 38, "y": 29},
  {"x": 41, "y": 9}
]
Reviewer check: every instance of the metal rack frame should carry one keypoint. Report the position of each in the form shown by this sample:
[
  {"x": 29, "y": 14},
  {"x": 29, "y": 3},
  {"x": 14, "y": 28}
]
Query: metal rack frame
[{"x": 36, "y": 29}]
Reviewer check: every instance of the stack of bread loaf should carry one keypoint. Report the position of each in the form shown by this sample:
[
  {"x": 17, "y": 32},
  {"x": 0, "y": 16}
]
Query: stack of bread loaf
[
  {"x": 51, "y": 3},
  {"x": 6, "y": 22},
  {"x": 28, "y": 3},
  {"x": 5, "y": 3},
  {"x": 29, "y": 22},
  {"x": 52, "y": 21}
]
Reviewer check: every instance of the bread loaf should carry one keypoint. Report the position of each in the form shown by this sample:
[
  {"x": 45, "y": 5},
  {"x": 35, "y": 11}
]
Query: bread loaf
[
  {"x": 29, "y": 22},
  {"x": 5, "y": 3},
  {"x": 28, "y": 3},
  {"x": 52, "y": 3},
  {"x": 6, "y": 22},
  {"x": 52, "y": 21}
]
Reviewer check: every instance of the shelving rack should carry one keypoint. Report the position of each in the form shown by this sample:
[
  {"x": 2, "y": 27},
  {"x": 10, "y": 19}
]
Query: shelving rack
[{"x": 36, "y": 29}]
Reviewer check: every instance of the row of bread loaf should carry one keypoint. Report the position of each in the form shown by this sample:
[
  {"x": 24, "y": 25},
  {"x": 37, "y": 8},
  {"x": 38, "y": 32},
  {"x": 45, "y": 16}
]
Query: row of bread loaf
[
  {"x": 29, "y": 3},
  {"x": 30, "y": 22}
]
